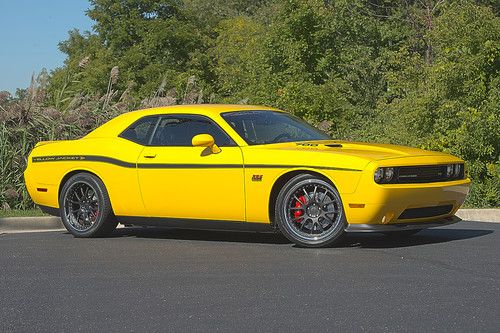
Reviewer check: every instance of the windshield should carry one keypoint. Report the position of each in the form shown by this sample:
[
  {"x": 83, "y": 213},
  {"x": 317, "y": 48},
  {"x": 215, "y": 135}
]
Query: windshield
[{"x": 264, "y": 127}]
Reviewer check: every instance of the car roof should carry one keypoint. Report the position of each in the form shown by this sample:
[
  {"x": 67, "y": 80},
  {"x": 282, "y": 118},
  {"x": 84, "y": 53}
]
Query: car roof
[
  {"x": 203, "y": 109},
  {"x": 119, "y": 123}
]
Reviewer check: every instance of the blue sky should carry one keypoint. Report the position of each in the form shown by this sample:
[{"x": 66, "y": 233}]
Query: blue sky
[{"x": 30, "y": 31}]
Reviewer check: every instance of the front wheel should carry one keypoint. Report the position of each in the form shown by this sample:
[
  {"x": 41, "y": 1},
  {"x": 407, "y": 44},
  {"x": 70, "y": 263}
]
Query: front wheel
[
  {"x": 309, "y": 211},
  {"x": 85, "y": 207}
]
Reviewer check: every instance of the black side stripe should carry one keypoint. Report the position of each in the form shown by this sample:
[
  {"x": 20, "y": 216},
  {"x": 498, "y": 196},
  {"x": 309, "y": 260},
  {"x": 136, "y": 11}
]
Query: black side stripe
[
  {"x": 187, "y": 166},
  {"x": 86, "y": 158},
  {"x": 114, "y": 161},
  {"x": 275, "y": 166}
]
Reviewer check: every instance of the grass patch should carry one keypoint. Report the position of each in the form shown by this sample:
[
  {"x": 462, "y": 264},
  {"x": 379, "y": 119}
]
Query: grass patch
[{"x": 18, "y": 213}]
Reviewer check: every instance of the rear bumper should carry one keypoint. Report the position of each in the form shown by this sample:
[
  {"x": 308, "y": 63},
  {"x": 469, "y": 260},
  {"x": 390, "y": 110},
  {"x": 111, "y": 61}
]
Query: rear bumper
[{"x": 401, "y": 226}]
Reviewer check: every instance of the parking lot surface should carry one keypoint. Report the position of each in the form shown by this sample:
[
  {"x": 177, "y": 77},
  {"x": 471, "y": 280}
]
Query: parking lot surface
[{"x": 444, "y": 279}]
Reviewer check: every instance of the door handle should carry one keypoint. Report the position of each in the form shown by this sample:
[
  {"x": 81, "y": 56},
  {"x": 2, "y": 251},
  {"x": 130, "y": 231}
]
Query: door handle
[{"x": 150, "y": 156}]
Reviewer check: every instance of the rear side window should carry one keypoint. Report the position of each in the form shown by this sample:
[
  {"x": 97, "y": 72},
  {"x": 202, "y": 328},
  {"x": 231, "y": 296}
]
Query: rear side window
[
  {"x": 179, "y": 130},
  {"x": 140, "y": 131}
]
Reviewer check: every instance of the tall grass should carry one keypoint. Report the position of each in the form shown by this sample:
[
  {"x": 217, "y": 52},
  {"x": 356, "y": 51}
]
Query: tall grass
[{"x": 37, "y": 115}]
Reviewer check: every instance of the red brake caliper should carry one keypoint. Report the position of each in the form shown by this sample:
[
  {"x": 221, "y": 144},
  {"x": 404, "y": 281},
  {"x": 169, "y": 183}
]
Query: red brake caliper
[{"x": 298, "y": 213}]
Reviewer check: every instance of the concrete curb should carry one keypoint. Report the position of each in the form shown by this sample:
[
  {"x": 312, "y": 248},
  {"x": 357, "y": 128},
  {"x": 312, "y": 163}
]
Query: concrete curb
[
  {"x": 480, "y": 215},
  {"x": 36, "y": 223},
  {"x": 51, "y": 223}
]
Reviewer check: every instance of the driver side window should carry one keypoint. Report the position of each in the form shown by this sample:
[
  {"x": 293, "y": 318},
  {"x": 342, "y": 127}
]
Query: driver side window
[
  {"x": 258, "y": 130},
  {"x": 178, "y": 130}
]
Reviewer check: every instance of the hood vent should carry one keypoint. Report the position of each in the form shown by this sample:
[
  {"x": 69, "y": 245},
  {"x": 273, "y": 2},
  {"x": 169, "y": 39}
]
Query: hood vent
[{"x": 314, "y": 144}]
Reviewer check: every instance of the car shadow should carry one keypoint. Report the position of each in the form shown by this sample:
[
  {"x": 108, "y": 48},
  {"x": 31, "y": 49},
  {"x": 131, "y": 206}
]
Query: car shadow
[
  {"x": 428, "y": 236},
  {"x": 201, "y": 235},
  {"x": 360, "y": 240}
]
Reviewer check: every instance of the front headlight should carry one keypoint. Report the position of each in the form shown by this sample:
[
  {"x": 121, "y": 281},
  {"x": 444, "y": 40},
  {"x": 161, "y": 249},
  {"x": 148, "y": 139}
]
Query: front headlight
[
  {"x": 457, "y": 170},
  {"x": 449, "y": 170},
  {"x": 388, "y": 174},
  {"x": 384, "y": 175},
  {"x": 379, "y": 174}
]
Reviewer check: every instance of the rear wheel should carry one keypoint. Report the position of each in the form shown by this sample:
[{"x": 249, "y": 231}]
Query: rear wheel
[
  {"x": 85, "y": 207},
  {"x": 309, "y": 211}
]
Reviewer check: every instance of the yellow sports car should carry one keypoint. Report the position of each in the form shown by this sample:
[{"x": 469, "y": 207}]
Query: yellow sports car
[{"x": 240, "y": 167}]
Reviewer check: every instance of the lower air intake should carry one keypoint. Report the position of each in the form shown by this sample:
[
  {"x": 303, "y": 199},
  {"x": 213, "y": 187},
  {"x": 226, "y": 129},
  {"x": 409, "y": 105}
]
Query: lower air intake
[{"x": 415, "y": 213}]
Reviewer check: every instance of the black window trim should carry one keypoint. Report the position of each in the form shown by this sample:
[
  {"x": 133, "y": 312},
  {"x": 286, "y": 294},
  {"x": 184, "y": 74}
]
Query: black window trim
[
  {"x": 152, "y": 134},
  {"x": 232, "y": 143},
  {"x": 121, "y": 135}
]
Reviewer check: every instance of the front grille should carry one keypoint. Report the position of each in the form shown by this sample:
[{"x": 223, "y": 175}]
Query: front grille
[
  {"x": 415, "y": 213},
  {"x": 423, "y": 174}
]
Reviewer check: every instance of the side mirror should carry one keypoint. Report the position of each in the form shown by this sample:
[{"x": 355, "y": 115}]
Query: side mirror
[{"x": 205, "y": 140}]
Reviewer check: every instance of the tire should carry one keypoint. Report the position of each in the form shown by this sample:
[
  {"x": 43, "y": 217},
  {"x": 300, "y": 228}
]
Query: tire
[
  {"x": 309, "y": 212},
  {"x": 85, "y": 207},
  {"x": 402, "y": 234}
]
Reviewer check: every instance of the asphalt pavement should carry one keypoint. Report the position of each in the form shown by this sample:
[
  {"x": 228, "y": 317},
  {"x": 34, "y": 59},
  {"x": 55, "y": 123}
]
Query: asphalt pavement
[{"x": 144, "y": 280}]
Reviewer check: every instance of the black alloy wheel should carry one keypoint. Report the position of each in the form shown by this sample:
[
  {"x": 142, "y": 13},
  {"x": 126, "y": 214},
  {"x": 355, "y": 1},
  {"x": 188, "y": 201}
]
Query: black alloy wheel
[
  {"x": 309, "y": 211},
  {"x": 85, "y": 207}
]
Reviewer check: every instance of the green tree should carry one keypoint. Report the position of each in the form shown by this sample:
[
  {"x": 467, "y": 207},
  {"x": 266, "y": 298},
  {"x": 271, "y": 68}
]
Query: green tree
[{"x": 416, "y": 72}]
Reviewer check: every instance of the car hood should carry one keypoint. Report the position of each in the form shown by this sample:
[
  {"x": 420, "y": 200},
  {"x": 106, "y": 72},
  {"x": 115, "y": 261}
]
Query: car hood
[
  {"x": 343, "y": 154},
  {"x": 369, "y": 151}
]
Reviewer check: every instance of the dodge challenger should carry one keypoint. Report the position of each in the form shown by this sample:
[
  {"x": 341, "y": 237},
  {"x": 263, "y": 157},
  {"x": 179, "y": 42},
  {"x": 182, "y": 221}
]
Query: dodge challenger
[{"x": 241, "y": 167}]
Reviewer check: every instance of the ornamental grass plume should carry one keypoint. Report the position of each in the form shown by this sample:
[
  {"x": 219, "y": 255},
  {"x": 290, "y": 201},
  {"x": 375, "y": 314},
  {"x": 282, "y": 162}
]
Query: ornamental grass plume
[
  {"x": 11, "y": 193},
  {"x": 325, "y": 125},
  {"x": 4, "y": 97},
  {"x": 191, "y": 93},
  {"x": 114, "y": 75},
  {"x": 158, "y": 101},
  {"x": 160, "y": 98},
  {"x": 161, "y": 88},
  {"x": 84, "y": 62},
  {"x": 3, "y": 116},
  {"x": 70, "y": 117},
  {"x": 51, "y": 113},
  {"x": 113, "y": 79}
]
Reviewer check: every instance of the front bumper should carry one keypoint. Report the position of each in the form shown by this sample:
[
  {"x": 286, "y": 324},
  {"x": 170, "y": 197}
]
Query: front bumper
[
  {"x": 401, "y": 226},
  {"x": 384, "y": 204}
]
